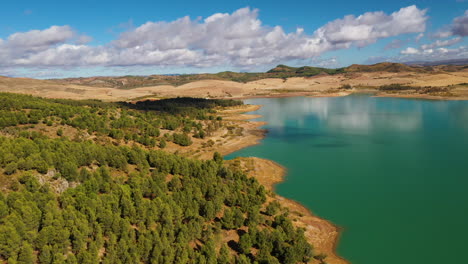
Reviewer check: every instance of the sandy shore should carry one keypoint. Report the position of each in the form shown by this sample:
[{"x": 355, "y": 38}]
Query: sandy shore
[{"x": 322, "y": 234}]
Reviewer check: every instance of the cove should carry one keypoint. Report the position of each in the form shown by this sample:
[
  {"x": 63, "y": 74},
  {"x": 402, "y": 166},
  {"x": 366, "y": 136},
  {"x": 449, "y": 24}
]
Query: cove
[{"x": 391, "y": 172}]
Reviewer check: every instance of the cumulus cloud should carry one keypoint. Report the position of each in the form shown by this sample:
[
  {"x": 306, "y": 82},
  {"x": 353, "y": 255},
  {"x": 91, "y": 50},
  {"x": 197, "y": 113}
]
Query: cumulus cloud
[
  {"x": 42, "y": 47},
  {"x": 442, "y": 34},
  {"x": 460, "y": 25},
  {"x": 238, "y": 39},
  {"x": 433, "y": 54},
  {"x": 431, "y": 48},
  {"x": 410, "y": 50},
  {"x": 36, "y": 40},
  {"x": 369, "y": 27},
  {"x": 441, "y": 43}
]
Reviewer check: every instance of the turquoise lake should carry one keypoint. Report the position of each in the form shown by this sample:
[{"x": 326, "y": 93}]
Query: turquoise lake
[{"x": 393, "y": 173}]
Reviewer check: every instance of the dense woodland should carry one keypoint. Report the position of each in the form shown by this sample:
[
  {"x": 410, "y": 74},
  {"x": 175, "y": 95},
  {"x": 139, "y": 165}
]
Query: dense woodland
[
  {"x": 129, "y": 201},
  {"x": 130, "y": 122}
]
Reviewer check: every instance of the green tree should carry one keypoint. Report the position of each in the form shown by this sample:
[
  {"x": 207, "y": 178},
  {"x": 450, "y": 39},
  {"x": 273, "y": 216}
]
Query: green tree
[
  {"x": 162, "y": 143},
  {"x": 217, "y": 157},
  {"x": 224, "y": 255},
  {"x": 10, "y": 168},
  {"x": 272, "y": 208},
  {"x": 26, "y": 255},
  {"x": 227, "y": 219},
  {"x": 242, "y": 259},
  {"x": 10, "y": 240},
  {"x": 245, "y": 243},
  {"x": 45, "y": 255}
]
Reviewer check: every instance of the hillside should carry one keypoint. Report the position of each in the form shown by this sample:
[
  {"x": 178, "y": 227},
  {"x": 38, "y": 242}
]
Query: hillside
[
  {"x": 386, "y": 67},
  {"x": 280, "y": 71},
  {"x": 95, "y": 182},
  {"x": 279, "y": 81},
  {"x": 459, "y": 62},
  {"x": 128, "y": 82}
]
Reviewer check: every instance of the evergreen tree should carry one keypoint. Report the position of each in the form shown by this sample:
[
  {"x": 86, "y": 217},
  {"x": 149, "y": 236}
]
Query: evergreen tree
[
  {"x": 224, "y": 255},
  {"x": 245, "y": 243},
  {"x": 26, "y": 255}
]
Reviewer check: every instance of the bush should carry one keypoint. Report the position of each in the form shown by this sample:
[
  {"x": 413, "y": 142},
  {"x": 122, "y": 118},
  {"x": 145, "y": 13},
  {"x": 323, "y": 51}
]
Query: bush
[
  {"x": 11, "y": 168},
  {"x": 182, "y": 139},
  {"x": 162, "y": 143},
  {"x": 346, "y": 87},
  {"x": 395, "y": 87}
]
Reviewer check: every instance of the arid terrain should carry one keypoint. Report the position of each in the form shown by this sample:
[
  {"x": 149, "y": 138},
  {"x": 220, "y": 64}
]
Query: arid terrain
[{"x": 280, "y": 81}]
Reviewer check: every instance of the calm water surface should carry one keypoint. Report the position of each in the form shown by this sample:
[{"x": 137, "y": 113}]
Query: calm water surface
[{"x": 393, "y": 173}]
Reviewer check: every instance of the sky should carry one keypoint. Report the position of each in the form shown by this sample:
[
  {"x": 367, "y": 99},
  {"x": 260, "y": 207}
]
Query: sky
[{"x": 58, "y": 39}]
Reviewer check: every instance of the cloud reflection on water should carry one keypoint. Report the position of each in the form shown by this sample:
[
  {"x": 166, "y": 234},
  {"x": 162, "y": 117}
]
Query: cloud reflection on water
[{"x": 354, "y": 114}]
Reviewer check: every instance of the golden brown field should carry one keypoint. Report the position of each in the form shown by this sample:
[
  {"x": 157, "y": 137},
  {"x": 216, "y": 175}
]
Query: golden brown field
[{"x": 319, "y": 85}]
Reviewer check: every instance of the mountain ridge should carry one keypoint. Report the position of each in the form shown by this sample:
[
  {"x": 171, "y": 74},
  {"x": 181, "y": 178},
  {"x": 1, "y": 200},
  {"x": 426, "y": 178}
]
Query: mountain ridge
[{"x": 280, "y": 71}]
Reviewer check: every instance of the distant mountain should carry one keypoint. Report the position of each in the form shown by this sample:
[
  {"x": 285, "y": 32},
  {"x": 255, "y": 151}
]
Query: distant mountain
[
  {"x": 440, "y": 62},
  {"x": 303, "y": 71},
  {"x": 280, "y": 71},
  {"x": 385, "y": 67}
]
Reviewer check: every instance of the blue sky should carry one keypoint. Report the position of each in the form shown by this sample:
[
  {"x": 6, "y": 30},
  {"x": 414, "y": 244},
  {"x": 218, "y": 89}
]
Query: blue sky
[{"x": 46, "y": 39}]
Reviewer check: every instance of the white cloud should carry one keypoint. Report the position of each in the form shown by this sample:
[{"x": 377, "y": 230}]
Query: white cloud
[
  {"x": 369, "y": 27},
  {"x": 460, "y": 25},
  {"x": 435, "y": 47},
  {"x": 442, "y": 34},
  {"x": 65, "y": 55},
  {"x": 324, "y": 62},
  {"x": 433, "y": 54},
  {"x": 409, "y": 50},
  {"x": 83, "y": 39},
  {"x": 238, "y": 39},
  {"x": 35, "y": 40},
  {"x": 442, "y": 43},
  {"x": 419, "y": 37},
  {"x": 43, "y": 48}
]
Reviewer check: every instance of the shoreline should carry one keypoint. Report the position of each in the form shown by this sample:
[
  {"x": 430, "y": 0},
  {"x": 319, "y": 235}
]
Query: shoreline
[
  {"x": 293, "y": 94},
  {"x": 321, "y": 233},
  {"x": 421, "y": 96},
  {"x": 375, "y": 93}
]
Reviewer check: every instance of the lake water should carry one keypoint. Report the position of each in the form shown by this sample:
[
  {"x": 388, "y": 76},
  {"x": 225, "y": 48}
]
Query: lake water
[{"x": 393, "y": 173}]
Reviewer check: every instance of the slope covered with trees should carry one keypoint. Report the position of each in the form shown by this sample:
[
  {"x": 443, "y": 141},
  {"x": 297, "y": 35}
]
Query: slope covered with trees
[
  {"x": 129, "y": 203},
  {"x": 128, "y": 122}
]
